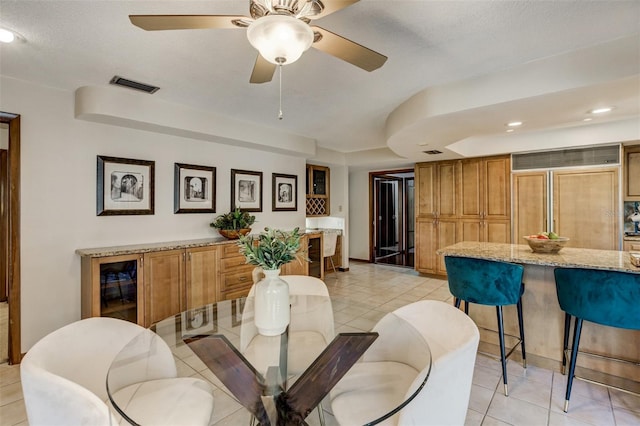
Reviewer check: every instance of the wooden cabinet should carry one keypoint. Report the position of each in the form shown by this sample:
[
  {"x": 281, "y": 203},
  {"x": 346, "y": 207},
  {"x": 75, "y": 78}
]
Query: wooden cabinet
[
  {"x": 585, "y": 207},
  {"x": 164, "y": 284},
  {"x": 235, "y": 275},
  {"x": 462, "y": 200},
  {"x": 317, "y": 190},
  {"x": 632, "y": 173},
  {"x": 113, "y": 287},
  {"x": 577, "y": 203},
  {"x": 151, "y": 282},
  {"x": 485, "y": 201},
  {"x": 436, "y": 213},
  {"x": 181, "y": 279},
  {"x": 298, "y": 266},
  {"x": 530, "y": 196},
  {"x": 201, "y": 273}
]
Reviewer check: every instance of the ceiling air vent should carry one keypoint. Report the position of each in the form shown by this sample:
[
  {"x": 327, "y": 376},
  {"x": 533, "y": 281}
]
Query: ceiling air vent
[
  {"x": 119, "y": 81},
  {"x": 433, "y": 152},
  {"x": 592, "y": 156}
]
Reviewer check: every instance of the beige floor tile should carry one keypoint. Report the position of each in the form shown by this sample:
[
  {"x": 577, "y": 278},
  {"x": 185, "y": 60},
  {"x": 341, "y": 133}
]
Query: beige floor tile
[
  {"x": 626, "y": 417},
  {"x": 588, "y": 410},
  {"x": 625, "y": 400},
  {"x": 561, "y": 419},
  {"x": 480, "y": 399},
  {"x": 530, "y": 391},
  {"x": 13, "y": 413},
  {"x": 473, "y": 418},
  {"x": 516, "y": 412}
]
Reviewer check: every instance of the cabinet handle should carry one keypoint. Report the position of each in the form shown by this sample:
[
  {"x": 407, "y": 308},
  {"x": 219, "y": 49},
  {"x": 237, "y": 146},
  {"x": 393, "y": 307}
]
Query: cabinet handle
[{"x": 243, "y": 278}]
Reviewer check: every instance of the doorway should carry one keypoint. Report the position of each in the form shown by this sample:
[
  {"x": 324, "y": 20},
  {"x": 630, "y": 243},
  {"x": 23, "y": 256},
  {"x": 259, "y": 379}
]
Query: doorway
[
  {"x": 10, "y": 231},
  {"x": 392, "y": 233}
]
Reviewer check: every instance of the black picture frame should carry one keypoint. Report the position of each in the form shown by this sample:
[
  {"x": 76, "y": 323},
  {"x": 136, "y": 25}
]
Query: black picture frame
[
  {"x": 246, "y": 190},
  {"x": 124, "y": 186},
  {"x": 284, "y": 192},
  {"x": 194, "y": 188}
]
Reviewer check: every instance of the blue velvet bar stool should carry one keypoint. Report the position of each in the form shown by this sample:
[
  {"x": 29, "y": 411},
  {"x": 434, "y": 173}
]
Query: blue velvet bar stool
[
  {"x": 603, "y": 297},
  {"x": 493, "y": 283}
]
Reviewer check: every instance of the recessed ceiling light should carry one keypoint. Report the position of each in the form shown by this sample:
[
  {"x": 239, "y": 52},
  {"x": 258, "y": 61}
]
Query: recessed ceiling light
[
  {"x": 509, "y": 130},
  {"x": 514, "y": 123},
  {"x": 600, "y": 110},
  {"x": 6, "y": 36},
  {"x": 423, "y": 144},
  {"x": 587, "y": 119}
]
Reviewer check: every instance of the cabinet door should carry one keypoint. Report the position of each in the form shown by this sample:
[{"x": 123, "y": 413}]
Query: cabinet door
[
  {"x": 585, "y": 207},
  {"x": 164, "y": 281},
  {"x": 497, "y": 191},
  {"x": 632, "y": 173},
  {"x": 496, "y": 231},
  {"x": 112, "y": 287},
  {"x": 446, "y": 184},
  {"x": 425, "y": 180},
  {"x": 298, "y": 266},
  {"x": 201, "y": 276},
  {"x": 530, "y": 204},
  {"x": 447, "y": 235},
  {"x": 471, "y": 189},
  {"x": 426, "y": 246},
  {"x": 471, "y": 230}
]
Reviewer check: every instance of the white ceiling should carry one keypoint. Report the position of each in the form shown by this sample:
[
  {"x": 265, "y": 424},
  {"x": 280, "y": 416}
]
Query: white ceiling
[{"x": 560, "y": 59}]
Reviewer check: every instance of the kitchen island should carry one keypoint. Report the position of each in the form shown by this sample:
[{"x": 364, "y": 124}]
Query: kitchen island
[{"x": 543, "y": 318}]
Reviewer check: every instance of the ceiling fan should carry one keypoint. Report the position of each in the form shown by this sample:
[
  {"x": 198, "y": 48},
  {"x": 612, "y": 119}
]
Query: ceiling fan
[{"x": 279, "y": 29}]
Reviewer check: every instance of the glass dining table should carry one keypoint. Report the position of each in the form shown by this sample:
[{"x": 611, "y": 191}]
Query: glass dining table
[{"x": 278, "y": 379}]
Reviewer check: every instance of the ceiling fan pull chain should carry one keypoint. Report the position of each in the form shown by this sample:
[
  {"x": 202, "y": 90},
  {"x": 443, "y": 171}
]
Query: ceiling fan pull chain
[{"x": 280, "y": 115}]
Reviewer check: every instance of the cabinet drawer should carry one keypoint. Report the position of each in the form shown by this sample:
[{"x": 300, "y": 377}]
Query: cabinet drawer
[
  {"x": 233, "y": 263},
  {"x": 230, "y": 250},
  {"x": 632, "y": 246},
  {"x": 236, "y": 280}
]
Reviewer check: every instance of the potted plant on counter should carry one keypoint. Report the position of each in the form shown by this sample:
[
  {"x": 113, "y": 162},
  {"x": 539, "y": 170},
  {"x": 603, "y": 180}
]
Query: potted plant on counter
[
  {"x": 234, "y": 224},
  {"x": 270, "y": 250}
]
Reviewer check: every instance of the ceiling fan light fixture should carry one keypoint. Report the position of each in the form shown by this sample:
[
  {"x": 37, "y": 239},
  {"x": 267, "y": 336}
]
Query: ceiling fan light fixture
[{"x": 280, "y": 39}]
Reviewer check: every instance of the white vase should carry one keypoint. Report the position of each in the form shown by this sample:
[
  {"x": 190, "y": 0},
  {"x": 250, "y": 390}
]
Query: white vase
[{"x": 272, "y": 304}]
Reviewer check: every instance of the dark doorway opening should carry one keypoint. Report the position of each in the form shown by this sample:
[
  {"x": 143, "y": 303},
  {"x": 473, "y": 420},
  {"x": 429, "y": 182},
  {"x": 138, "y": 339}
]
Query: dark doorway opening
[{"x": 392, "y": 233}]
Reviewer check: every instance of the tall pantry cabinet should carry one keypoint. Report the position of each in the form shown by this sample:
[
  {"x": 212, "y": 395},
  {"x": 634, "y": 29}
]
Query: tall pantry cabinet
[{"x": 460, "y": 200}]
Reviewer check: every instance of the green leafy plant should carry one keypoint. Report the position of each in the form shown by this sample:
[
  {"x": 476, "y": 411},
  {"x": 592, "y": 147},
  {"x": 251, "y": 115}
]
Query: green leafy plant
[
  {"x": 271, "y": 249},
  {"x": 233, "y": 220}
]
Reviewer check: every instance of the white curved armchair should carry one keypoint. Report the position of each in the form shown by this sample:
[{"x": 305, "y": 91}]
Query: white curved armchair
[
  {"x": 64, "y": 378},
  {"x": 309, "y": 334},
  {"x": 396, "y": 364}
]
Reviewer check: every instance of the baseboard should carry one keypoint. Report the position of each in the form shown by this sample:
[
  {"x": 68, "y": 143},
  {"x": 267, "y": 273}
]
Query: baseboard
[{"x": 351, "y": 259}]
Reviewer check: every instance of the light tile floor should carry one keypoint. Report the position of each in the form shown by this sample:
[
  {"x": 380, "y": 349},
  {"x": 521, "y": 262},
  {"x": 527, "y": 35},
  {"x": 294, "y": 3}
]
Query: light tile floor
[{"x": 360, "y": 298}]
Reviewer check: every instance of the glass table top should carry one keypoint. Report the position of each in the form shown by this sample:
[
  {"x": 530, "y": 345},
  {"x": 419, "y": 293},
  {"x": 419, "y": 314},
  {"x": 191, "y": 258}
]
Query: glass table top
[{"x": 277, "y": 376}]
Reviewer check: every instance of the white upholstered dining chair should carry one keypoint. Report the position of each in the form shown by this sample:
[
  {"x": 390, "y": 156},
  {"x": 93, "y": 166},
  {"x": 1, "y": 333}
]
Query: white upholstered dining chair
[
  {"x": 397, "y": 363},
  {"x": 64, "y": 379},
  {"x": 309, "y": 333}
]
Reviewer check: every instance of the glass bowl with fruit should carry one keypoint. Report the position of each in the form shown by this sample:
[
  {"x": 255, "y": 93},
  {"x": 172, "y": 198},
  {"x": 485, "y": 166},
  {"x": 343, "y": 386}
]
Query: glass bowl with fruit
[{"x": 546, "y": 242}]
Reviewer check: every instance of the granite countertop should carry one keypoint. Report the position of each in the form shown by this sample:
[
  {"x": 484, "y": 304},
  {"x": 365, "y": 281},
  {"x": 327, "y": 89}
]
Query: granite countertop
[
  {"x": 145, "y": 248},
  {"x": 568, "y": 256},
  {"x": 149, "y": 247}
]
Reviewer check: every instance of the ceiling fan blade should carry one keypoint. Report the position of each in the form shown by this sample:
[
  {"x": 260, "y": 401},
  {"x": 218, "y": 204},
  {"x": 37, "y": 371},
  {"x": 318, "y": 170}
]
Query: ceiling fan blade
[
  {"x": 348, "y": 50},
  {"x": 186, "y": 22},
  {"x": 331, "y": 6},
  {"x": 262, "y": 71}
]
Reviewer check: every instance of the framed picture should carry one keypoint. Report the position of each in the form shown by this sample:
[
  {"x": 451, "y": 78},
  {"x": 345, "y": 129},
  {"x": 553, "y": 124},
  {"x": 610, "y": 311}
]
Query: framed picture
[
  {"x": 124, "y": 186},
  {"x": 246, "y": 190},
  {"x": 284, "y": 192},
  {"x": 194, "y": 189}
]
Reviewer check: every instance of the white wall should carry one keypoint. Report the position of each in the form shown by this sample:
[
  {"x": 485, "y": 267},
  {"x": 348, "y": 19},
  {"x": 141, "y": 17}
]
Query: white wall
[
  {"x": 359, "y": 214},
  {"x": 58, "y": 196},
  {"x": 4, "y": 136}
]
